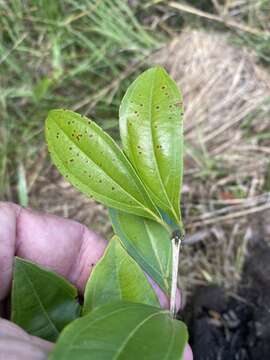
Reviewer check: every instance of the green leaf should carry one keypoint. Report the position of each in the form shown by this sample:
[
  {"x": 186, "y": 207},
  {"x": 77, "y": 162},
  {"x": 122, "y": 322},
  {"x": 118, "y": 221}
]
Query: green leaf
[
  {"x": 117, "y": 277},
  {"x": 152, "y": 134},
  {"x": 43, "y": 303},
  {"x": 93, "y": 162},
  {"x": 122, "y": 331},
  {"x": 148, "y": 243}
]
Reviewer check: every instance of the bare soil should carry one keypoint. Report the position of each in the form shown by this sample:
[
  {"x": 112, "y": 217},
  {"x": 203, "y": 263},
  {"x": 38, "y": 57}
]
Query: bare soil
[{"x": 234, "y": 326}]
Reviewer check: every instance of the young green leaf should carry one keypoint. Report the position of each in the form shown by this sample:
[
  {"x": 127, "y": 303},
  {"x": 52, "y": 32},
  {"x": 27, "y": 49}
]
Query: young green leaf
[
  {"x": 152, "y": 136},
  {"x": 121, "y": 331},
  {"x": 92, "y": 162},
  {"x": 148, "y": 243},
  {"x": 43, "y": 303},
  {"x": 117, "y": 277}
]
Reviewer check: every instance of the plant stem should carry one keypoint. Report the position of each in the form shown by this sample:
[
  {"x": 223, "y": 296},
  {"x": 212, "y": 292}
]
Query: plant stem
[{"x": 176, "y": 245}]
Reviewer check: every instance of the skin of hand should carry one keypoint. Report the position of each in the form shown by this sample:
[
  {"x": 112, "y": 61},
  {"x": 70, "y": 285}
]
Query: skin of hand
[{"x": 61, "y": 245}]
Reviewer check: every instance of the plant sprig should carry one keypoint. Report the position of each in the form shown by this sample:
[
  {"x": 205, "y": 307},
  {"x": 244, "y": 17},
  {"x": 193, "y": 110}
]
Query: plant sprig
[{"x": 141, "y": 184}]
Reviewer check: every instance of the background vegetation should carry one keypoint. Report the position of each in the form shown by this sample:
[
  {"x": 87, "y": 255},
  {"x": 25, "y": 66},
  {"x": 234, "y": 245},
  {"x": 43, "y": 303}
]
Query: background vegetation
[{"x": 81, "y": 55}]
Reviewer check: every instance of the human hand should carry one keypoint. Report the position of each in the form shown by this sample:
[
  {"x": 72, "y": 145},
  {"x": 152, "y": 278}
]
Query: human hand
[{"x": 61, "y": 245}]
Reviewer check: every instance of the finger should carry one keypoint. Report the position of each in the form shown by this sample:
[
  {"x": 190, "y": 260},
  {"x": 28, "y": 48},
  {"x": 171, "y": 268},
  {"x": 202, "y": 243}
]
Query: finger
[
  {"x": 163, "y": 298},
  {"x": 62, "y": 245},
  {"x": 188, "y": 353},
  {"x": 16, "y": 344}
]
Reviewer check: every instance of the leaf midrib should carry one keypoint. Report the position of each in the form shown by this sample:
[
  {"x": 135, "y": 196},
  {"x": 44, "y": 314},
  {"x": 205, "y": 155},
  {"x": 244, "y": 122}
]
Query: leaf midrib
[
  {"x": 133, "y": 332},
  {"x": 174, "y": 179},
  {"x": 147, "y": 265},
  {"x": 153, "y": 145},
  {"x": 38, "y": 300},
  {"x": 156, "y": 253}
]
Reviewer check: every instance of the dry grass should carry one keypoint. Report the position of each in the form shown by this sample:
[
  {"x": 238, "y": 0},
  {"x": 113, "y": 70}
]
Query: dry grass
[
  {"x": 227, "y": 132},
  {"x": 51, "y": 193}
]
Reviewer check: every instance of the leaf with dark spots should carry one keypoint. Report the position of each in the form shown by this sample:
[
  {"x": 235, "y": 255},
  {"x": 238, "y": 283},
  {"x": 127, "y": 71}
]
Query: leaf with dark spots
[
  {"x": 157, "y": 129},
  {"x": 111, "y": 179}
]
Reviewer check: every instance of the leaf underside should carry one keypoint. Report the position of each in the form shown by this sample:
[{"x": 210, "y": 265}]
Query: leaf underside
[
  {"x": 148, "y": 243},
  {"x": 122, "y": 331},
  {"x": 152, "y": 135},
  {"x": 117, "y": 277},
  {"x": 43, "y": 303}
]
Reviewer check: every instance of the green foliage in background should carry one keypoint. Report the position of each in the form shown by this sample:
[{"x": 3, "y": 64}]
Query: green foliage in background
[{"x": 51, "y": 53}]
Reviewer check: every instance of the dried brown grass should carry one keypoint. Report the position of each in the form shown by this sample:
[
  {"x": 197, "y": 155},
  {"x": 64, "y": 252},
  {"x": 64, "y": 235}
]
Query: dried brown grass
[{"x": 227, "y": 109}]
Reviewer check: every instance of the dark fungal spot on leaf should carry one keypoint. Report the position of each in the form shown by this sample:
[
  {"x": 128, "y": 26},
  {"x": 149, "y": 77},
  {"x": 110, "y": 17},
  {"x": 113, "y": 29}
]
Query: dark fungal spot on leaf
[
  {"x": 79, "y": 136},
  {"x": 113, "y": 188},
  {"x": 70, "y": 148},
  {"x": 163, "y": 87},
  {"x": 157, "y": 107},
  {"x": 71, "y": 160},
  {"x": 141, "y": 105}
]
